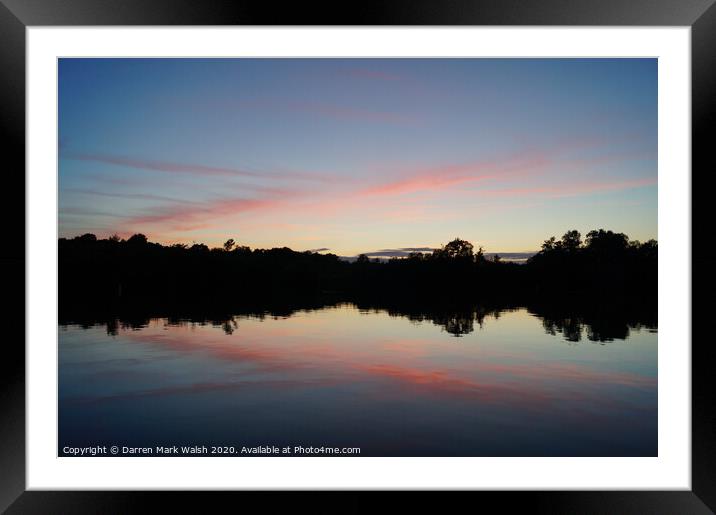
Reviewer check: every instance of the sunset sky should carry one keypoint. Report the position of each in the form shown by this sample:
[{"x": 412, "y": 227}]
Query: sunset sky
[{"x": 357, "y": 155}]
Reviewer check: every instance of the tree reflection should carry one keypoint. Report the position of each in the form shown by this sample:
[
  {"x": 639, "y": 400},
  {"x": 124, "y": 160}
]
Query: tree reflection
[
  {"x": 572, "y": 321},
  {"x": 230, "y": 325}
]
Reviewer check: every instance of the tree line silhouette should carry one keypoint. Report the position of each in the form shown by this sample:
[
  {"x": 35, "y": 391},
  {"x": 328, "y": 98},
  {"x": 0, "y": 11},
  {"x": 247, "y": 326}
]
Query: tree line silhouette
[
  {"x": 604, "y": 283},
  {"x": 113, "y": 274}
]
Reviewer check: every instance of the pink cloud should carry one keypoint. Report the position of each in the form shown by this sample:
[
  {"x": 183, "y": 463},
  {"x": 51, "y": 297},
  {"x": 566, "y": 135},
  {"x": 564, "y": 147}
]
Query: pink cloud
[
  {"x": 131, "y": 196},
  {"x": 423, "y": 182},
  {"x": 380, "y": 198},
  {"x": 568, "y": 190},
  {"x": 198, "y": 169},
  {"x": 442, "y": 177},
  {"x": 189, "y": 217}
]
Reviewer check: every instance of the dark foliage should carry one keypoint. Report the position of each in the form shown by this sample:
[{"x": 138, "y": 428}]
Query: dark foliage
[
  {"x": 605, "y": 283},
  {"x": 606, "y": 263},
  {"x": 108, "y": 270}
]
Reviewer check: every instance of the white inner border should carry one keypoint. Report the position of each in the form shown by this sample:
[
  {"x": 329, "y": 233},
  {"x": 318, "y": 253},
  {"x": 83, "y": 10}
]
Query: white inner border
[{"x": 670, "y": 470}]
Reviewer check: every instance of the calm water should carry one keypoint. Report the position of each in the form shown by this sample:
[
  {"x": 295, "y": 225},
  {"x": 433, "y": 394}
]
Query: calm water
[{"x": 513, "y": 385}]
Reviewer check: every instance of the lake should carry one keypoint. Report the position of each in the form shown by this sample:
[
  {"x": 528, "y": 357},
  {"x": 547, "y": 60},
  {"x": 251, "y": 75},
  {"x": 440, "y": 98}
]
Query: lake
[{"x": 505, "y": 382}]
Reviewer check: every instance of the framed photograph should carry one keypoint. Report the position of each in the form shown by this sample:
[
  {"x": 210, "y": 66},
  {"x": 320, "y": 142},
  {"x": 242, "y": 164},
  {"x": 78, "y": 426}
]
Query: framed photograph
[{"x": 421, "y": 247}]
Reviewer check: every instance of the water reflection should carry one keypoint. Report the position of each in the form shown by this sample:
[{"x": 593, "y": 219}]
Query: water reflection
[
  {"x": 391, "y": 381},
  {"x": 594, "y": 323}
]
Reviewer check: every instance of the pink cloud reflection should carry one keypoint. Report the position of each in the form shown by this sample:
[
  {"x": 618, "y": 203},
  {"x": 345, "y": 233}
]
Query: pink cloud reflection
[{"x": 301, "y": 360}]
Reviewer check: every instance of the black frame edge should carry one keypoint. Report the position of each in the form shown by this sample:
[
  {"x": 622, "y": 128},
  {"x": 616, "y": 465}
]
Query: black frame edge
[
  {"x": 12, "y": 257},
  {"x": 358, "y": 12},
  {"x": 703, "y": 355},
  {"x": 700, "y": 14}
]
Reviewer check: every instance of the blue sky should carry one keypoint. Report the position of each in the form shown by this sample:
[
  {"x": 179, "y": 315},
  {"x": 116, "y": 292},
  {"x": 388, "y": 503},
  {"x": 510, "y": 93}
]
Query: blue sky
[{"x": 357, "y": 155}]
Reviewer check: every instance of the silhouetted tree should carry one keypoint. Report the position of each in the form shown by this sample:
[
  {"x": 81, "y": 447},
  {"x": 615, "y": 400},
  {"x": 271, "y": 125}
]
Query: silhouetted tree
[
  {"x": 199, "y": 248},
  {"x": 137, "y": 240},
  {"x": 607, "y": 242},
  {"x": 87, "y": 238},
  {"x": 647, "y": 250},
  {"x": 571, "y": 240},
  {"x": 550, "y": 244},
  {"x": 457, "y": 248}
]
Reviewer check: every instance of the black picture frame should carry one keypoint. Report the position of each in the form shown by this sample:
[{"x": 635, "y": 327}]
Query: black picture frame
[{"x": 17, "y": 15}]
